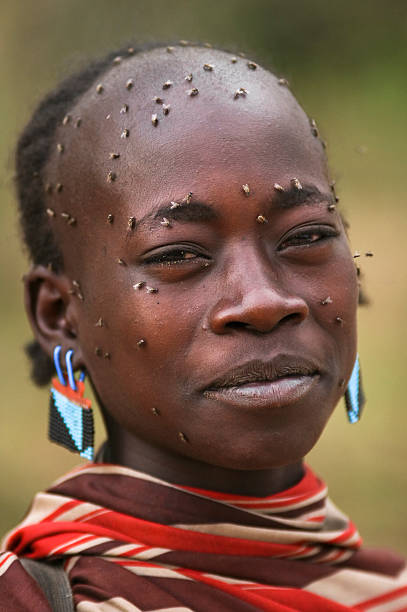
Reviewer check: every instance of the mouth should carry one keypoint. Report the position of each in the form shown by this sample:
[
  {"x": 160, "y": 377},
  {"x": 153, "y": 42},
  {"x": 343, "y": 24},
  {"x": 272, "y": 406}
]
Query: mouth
[{"x": 279, "y": 382}]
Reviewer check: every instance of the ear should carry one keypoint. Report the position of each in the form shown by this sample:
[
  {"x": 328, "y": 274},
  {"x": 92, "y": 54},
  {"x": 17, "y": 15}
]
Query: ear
[{"x": 52, "y": 310}]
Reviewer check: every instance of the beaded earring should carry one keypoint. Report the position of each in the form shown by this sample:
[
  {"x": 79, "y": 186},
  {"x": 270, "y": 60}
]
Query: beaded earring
[
  {"x": 354, "y": 396},
  {"x": 70, "y": 414}
]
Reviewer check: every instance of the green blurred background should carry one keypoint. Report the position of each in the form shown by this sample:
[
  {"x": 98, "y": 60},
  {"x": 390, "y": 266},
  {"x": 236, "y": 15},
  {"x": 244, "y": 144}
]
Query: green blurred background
[{"x": 346, "y": 62}]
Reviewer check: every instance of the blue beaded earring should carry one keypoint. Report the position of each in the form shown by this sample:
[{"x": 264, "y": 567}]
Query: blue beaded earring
[
  {"x": 70, "y": 414},
  {"x": 354, "y": 396}
]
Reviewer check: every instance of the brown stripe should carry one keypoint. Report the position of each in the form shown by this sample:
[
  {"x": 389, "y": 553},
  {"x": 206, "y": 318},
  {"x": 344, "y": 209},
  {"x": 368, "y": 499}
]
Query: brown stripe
[
  {"x": 297, "y": 512},
  {"x": 155, "y": 502},
  {"x": 376, "y": 560},
  {"x": 275, "y": 572},
  {"x": 97, "y": 580}
]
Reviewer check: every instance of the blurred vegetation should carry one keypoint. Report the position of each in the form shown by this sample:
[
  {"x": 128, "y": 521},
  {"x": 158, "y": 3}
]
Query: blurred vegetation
[{"x": 347, "y": 64}]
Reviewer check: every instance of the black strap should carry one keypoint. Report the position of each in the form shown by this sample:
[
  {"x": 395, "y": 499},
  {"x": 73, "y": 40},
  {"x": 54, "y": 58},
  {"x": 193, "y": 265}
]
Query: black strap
[{"x": 53, "y": 581}]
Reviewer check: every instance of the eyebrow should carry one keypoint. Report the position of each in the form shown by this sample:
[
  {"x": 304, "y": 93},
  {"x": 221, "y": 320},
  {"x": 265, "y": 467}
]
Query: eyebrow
[
  {"x": 308, "y": 195},
  {"x": 192, "y": 212},
  {"x": 197, "y": 211}
]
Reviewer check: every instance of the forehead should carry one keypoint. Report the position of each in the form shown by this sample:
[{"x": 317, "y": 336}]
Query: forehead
[
  {"x": 240, "y": 125},
  {"x": 124, "y": 113}
]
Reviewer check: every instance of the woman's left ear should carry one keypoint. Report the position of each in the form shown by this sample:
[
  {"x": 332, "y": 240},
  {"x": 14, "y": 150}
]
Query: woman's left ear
[{"x": 53, "y": 309}]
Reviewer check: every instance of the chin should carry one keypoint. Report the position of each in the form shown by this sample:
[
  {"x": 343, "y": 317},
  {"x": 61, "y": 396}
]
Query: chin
[
  {"x": 259, "y": 439},
  {"x": 259, "y": 451}
]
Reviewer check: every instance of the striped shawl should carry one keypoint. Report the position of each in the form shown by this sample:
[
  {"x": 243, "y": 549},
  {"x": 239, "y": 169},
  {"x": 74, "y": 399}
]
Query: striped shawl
[{"x": 134, "y": 543}]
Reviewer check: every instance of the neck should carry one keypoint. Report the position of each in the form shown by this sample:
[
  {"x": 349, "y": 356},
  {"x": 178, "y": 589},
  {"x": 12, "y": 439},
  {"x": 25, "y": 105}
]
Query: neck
[{"x": 130, "y": 451}]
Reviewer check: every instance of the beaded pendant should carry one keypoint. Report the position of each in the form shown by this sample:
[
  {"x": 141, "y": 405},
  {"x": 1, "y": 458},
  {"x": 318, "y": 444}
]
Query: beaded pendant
[{"x": 70, "y": 414}]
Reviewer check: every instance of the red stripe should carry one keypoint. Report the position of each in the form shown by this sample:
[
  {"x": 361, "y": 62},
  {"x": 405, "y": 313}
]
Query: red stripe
[
  {"x": 307, "y": 488},
  {"x": 135, "y": 551},
  {"x": 35, "y": 540},
  {"x": 284, "y": 599}
]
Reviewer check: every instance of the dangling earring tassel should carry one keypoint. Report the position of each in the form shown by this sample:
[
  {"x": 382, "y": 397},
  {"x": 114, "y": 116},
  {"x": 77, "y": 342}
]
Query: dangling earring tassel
[
  {"x": 70, "y": 414},
  {"x": 354, "y": 396}
]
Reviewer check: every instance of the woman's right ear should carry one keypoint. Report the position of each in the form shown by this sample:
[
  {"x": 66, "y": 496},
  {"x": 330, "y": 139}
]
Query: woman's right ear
[{"x": 52, "y": 309}]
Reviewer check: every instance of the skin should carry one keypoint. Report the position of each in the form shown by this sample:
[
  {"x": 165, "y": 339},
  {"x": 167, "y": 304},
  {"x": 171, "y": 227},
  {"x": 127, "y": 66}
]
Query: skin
[{"x": 239, "y": 291}]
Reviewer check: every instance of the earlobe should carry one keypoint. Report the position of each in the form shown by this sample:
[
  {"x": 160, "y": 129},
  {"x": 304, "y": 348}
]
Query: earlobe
[{"x": 51, "y": 311}]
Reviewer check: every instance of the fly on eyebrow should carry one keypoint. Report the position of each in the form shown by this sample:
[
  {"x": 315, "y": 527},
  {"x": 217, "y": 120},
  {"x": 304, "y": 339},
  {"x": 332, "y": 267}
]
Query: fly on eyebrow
[
  {"x": 309, "y": 194},
  {"x": 194, "y": 212}
]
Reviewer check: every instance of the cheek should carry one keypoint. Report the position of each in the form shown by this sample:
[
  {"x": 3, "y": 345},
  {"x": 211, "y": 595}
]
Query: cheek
[
  {"x": 332, "y": 296},
  {"x": 146, "y": 335}
]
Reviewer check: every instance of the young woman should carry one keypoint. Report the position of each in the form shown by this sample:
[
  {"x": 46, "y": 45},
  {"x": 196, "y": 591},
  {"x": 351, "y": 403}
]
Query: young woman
[{"x": 189, "y": 257}]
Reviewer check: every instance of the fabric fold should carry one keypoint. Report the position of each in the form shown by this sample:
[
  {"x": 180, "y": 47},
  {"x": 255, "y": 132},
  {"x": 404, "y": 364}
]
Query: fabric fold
[{"x": 128, "y": 537}]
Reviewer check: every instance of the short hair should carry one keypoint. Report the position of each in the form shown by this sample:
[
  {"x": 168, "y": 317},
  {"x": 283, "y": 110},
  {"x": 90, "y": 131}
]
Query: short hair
[{"x": 33, "y": 151}]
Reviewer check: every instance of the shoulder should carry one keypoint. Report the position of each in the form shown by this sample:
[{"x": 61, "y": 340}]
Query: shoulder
[{"x": 18, "y": 590}]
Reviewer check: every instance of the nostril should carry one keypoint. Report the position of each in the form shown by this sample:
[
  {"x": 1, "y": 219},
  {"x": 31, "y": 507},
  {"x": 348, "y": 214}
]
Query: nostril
[
  {"x": 294, "y": 316},
  {"x": 236, "y": 325}
]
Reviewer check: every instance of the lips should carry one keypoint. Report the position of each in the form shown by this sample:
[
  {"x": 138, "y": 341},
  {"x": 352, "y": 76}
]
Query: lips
[
  {"x": 261, "y": 371},
  {"x": 278, "y": 382}
]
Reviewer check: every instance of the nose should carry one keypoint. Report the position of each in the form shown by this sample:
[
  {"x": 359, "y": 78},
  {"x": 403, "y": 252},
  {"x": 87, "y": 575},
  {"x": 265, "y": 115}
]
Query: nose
[{"x": 261, "y": 304}]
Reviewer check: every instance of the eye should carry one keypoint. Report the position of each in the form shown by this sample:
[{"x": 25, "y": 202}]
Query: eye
[
  {"x": 308, "y": 236},
  {"x": 174, "y": 256}
]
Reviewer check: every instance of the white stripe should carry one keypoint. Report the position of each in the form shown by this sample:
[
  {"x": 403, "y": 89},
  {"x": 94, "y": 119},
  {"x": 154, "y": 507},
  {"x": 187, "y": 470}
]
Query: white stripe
[
  {"x": 353, "y": 587},
  {"x": 159, "y": 572},
  {"x": 228, "y": 580},
  {"x": 117, "y": 551},
  {"x": 333, "y": 556},
  {"x": 68, "y": 543},
  {"x": 11, "y": 558},
  {"x": 399, "y": 603},
  {"x": 43, "y": 504},
  {"x": 262, "y": 534},
  {"x": 350, "y": 541},
  {"x": 89, "y": 544},
  {"x": 151, "y": 553},
  {"x": 118, "y": 604},
  {"x": 93, "y": 516},
  {"x": 176, "y": 609},
  {"x": 302, "y": 555},
  {"x": 71, "y": 564},
  {"x": 77, "y": 512},
  {"x": 305, "y": 518}
]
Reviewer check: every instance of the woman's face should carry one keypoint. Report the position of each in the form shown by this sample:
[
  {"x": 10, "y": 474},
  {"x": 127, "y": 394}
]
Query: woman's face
[{"x": 249, "y": 335}]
